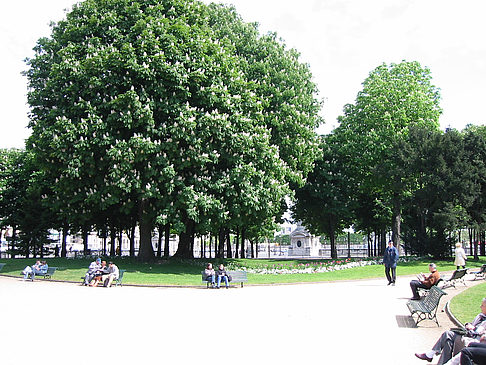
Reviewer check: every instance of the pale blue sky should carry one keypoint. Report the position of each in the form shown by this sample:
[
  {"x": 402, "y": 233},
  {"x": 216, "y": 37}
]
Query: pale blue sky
[{"x": 342, "y": 40}]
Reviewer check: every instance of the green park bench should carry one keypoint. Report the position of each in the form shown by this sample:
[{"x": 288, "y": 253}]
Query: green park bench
[
  {"x": 426, "y": 307},
  {"x": 457, "y": 276},
  {"x": 481, "y": 274},
  {"x": 116, "y": 282},
  {"x": 237, "y": 276},
  {"x": 47, "y": 275},
  {"x": 1, "y": 266},
  {"x": 119, "y": 281}
]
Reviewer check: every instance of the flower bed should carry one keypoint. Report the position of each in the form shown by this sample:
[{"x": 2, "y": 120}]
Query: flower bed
[{"x": 312, "y": 266}]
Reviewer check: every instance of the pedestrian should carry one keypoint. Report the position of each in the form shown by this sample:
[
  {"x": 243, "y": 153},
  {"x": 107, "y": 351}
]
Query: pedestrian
[
  {"x": 390, "y": 259},
  {"x": 460, "y": 255}
]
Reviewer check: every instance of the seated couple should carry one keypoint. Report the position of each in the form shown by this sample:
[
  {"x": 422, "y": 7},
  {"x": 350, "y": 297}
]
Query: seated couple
[
  {"x": 461, "y": 347},
  {"x": 215, "y": 277},
  {"x": 98, "y": 271},
  {"x": 39, "y": 268}
]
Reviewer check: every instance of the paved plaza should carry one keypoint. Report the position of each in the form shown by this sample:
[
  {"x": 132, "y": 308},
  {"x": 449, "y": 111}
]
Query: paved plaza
[{"x": 359, "y": 322}]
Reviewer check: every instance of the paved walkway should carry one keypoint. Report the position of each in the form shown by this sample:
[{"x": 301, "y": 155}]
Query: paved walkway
[{"x": 360, "y": 322}]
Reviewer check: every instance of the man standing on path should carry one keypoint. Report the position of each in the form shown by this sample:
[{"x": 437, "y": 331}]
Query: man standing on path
[{"x": 390, "y": 259}]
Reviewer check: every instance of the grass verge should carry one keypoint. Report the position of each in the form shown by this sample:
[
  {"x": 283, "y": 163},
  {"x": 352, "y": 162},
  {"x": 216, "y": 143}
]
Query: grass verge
[{"x": 188, "y": 272}]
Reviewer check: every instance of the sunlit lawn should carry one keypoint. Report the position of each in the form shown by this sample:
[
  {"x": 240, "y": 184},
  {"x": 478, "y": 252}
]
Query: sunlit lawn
[{"x": 188, "y": 272}]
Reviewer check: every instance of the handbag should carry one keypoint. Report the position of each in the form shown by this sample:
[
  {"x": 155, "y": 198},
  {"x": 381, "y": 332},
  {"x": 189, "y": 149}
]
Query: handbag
[{"x": 466, "y": 333}]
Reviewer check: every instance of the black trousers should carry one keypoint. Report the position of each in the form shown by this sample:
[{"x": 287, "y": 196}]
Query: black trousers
[
  {"x": 393, "y": 277},
  {"x": 475, "y": 352},
  {"x": 414, "y": 285}
]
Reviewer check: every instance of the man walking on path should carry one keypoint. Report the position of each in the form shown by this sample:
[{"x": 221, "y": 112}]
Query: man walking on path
[{"x": 390, "y": 260}]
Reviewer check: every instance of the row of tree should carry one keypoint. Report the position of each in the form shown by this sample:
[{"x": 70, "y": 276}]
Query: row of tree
[
  {"x": 165, "y": 114},
  {"x": 177, "y": 116}
]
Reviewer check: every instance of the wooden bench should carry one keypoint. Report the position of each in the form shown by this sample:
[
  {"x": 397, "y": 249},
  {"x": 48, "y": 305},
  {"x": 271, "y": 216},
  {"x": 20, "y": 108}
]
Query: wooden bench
[
  {"x": 477, "y": 274},
  {"x": 426, "y": 308},
  {"x": 457, "y": 276},
  {"x": 237, "y": 276},
  {"x": 47, "y": 275}
]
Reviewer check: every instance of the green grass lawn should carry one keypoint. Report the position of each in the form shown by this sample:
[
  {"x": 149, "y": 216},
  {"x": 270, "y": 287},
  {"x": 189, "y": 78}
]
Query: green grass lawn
[
  {"x": 466, "y": 305},
  {"x": 188, "y": 272}
]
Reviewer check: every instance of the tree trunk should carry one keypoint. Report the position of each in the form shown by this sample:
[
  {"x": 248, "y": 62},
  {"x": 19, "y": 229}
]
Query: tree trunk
[
  {"x": 132, "y": 238},
  {"x": 332, "y": 239},
  {"x": 159, "y": 242},
  {"x": 243, "y": 238},
  {"x": 210, "y": 244},
  {"x": 221, "y": 239},
  {"x": 229, "y": 252},
  {"x": 349, "y": 244},
  {"x": 237, "y": 243},
  {"x": 85, "y": 233},
  {"x": 146, "y": 250},
  {"x": 184, "y": 248},
  {"x": 112, "y": 241},
  {"x": 397, "y": 218},
  {"x": 167, "y": 240},
  {"x": 64, "y": 241},
  {"x": 482, "y": 250}
]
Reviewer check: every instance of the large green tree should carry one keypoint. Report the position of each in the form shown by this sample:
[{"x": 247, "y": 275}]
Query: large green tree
[
  {"x": 394, "y": 98},
  {"x": 146, "y": 106}
]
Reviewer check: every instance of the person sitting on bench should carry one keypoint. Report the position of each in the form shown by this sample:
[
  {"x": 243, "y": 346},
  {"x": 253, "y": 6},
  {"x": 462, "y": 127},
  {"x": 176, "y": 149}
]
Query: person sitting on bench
[
  {"x": 425, "y": 282},
  {"x": 450, "y": 340},
  {"x": 113, "y": 274},
  {"x": 209, "y": 274},
  {"x": 90, "y": 274},
  {"x": 99, "y": 274}
]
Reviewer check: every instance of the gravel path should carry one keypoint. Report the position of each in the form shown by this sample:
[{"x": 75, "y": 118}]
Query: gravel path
[{"x": 359, "y": 322}]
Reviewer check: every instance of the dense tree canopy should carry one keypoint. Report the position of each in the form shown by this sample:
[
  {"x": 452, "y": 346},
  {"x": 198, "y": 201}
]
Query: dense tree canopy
[
  {"x": 394, "y": 98},
  {"x": 174, "y": 110}
]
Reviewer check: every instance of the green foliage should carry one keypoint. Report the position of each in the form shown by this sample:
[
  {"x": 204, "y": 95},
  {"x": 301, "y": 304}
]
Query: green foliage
[
  {"x": 176, "y": 111},
  {"x": 22, "y": 205}
]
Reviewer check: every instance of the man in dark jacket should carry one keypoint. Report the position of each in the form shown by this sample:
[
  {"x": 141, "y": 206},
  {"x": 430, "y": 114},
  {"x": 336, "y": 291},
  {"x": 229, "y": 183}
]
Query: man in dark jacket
[{"x": 390, "y": 259}]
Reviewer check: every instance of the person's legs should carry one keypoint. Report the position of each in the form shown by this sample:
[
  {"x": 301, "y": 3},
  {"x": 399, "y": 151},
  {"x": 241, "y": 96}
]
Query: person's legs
[
  {"x": 447, "y": 342},
  {"x": 475, "y": 352},
  {"x": 414, "y": 285},
  {"x": 387, "y": 273},
  {"x": 394, "y": 274},
  {"x": 110, "y": 279},
  {"x": 225, "y": 280},
  {"x": 218, "y": 284}
]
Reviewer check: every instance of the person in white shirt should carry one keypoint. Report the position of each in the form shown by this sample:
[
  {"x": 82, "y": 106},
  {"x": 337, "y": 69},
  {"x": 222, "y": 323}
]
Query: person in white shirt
[
  {"x": 460, "y": 256},
  {"x": 113, "y": 274}
]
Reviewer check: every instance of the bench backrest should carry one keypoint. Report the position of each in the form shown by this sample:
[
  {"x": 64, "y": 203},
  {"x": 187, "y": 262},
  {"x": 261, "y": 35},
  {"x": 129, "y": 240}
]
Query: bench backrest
[
  {"x": 431, "y": 301},
  {"x": 51, "y": 270},
  {"x": 458, "y": 274},
  {"x": 120, "y": 274},
  {"x": 238, "y": 275},
  {"x": 1, "y": 266}
]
